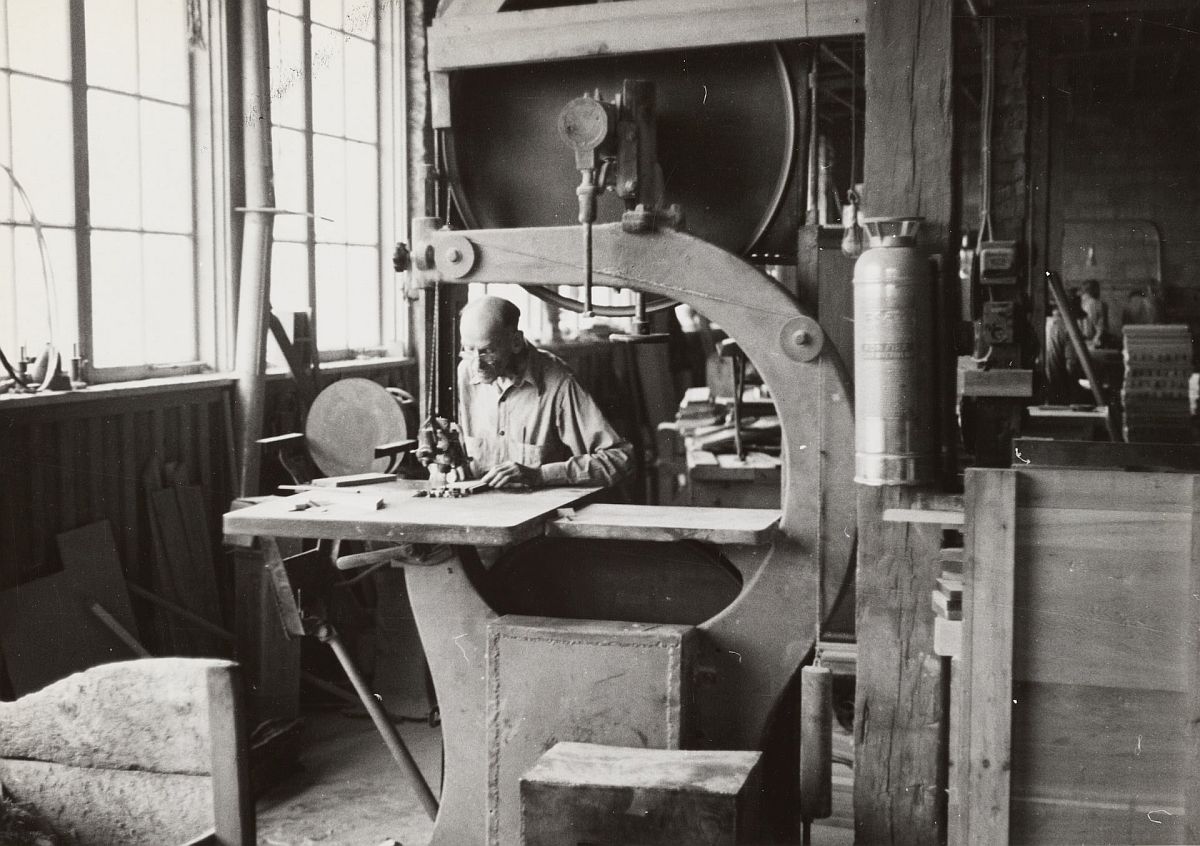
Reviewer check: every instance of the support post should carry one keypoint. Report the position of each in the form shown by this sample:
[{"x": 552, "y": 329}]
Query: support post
[{"x": 899, "y": 705}]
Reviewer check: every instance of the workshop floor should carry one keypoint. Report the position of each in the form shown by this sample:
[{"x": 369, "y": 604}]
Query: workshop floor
[{"x": 349, "y": 792}]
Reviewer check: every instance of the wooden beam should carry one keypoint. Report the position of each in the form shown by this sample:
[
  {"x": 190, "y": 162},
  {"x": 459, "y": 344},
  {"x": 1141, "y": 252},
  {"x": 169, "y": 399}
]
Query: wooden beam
[
  {"x": 899, "y": 708},
  {"x": 900, "y": 705},
  {"x": 632, "y": 26}
]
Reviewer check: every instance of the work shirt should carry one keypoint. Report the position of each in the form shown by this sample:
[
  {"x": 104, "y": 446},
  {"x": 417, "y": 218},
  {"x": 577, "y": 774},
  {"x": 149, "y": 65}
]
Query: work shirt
[{"x": 540, "y": 418}]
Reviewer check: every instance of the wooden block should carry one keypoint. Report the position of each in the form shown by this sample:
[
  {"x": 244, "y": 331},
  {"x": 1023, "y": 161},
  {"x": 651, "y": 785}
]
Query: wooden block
[
  {"x": 947, "y": 637},
  {"x": 586, "y": 793},
  {"x": 614, "y": 683}
]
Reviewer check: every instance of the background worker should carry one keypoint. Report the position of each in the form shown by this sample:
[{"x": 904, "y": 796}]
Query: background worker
[{"x": 524, "y": 418}]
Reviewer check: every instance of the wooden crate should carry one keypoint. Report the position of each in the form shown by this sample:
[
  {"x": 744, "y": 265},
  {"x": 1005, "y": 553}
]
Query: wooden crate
[{"x": 1077, "y": 694}]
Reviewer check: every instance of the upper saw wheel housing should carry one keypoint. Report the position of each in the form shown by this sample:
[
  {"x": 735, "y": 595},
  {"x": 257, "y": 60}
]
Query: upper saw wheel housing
[{"x": 726, "y": 142}]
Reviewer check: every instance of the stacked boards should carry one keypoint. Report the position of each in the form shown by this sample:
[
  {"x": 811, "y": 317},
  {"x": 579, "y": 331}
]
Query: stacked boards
[{"x": 1158, "y": 367}]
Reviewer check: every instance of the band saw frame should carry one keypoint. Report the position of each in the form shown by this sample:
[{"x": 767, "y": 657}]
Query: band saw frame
[{"x": 761, "y": 639}]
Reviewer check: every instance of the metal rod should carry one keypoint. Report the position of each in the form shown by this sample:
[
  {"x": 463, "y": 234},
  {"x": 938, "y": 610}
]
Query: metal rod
[{"x": 378, "y": 716}]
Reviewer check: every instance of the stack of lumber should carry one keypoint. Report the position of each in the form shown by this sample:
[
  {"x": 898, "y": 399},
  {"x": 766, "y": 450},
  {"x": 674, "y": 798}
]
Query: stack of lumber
[
  {"x": 1158, "y": 367},
  {"x": 947, "y": 596},
  {"x": 698, "y": 409},
  {"x": 947, "y": 600}
]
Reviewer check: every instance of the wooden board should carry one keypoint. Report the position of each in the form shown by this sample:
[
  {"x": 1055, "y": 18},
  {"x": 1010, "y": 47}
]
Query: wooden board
[
  {"x": 1083, "y": 727},
  {"x": 1110, "y": 580},
  {"x": 46, "y": 628},
  {"x": 1163, "y": 458},
  {"x": 187, "y": 566},
  {"x": 987, "y": 656},
  {"x": 750, "y": 526},
  {"x": 492, "y": 518},
  {"x": 1089, "y": 489},
  {"x": 635, "y": 26}
]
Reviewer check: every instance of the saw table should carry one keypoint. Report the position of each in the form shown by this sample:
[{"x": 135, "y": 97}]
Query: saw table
[{"x": 449, "y": 602}]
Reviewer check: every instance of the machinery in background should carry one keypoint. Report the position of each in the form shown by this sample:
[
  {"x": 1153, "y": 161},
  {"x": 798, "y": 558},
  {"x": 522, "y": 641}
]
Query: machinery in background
[{"x": 995, "y": 382}]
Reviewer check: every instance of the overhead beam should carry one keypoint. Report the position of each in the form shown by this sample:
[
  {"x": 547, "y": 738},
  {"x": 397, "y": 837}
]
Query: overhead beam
[{"x": 632, "y": 26}]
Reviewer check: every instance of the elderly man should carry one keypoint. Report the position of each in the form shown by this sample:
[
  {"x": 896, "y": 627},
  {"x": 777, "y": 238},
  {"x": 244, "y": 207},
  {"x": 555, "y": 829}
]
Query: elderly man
[{"x": 525, "y": 420}]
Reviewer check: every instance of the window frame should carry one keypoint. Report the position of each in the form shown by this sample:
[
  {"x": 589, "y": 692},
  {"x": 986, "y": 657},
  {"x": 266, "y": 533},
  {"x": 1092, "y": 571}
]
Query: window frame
[{"x": 390, "y": 143}]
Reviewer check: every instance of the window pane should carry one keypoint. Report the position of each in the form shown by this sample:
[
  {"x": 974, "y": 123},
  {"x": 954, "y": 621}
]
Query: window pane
[
  {"x": 329, "y": 180},
  {"x": 8, "y": 295},
  {"x": 289, "y": 278},
  {"x": 328, "y": 86},
  {"x": 32, "y": 309},
  {"x": 361, "y": 89},
  {"x": 331, "y": 297},
  {"x": 41, "y": 148},
  {"x": 166, "y": 167},
  {"x": 39, "y": 37},
  {"x": 362, "y": 190},
  {"x": 287, "y": 70},
  {"x": 328, "y": 12},
  {"x": 162, "y": 38},
  {"x": 117, "y": 306},
  {"x": 362, "y": 290},
  {"x": 6, "y": 189},
  {"x": 113, "y": 159},
  {"x": 360, "y": 18},
  {"x": 112, "y": 44},
  {"x": 170, "y": 324},
  {"x": 291, "y": 186},
  {"x": 292, "y": 7}
]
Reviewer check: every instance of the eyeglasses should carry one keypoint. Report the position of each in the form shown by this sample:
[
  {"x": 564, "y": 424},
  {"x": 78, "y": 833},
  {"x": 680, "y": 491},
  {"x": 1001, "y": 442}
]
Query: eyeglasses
[{"x": 483, "y": 355}]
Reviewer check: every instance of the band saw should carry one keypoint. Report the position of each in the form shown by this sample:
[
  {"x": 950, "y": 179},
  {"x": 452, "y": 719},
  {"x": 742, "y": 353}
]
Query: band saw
[{"x": 756, "y": 634}]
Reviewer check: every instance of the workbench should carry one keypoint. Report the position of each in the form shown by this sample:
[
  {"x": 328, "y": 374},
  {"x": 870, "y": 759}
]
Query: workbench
[{"x": 451, "y": 613}]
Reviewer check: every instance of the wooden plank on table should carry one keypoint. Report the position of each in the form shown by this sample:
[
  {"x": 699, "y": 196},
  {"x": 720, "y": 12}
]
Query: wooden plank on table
[
  {"x": 668, "y": 523},
  {"x": 632, "y": 26},
  {"x": 983, "y": 779},
  {"x": 1103, "y": 599},
  {"x": 1088, "y": 489},
  {"x": 1107, "y": 455},
  {"x": 1192, "y": 705},
  {"x": 491, "y": 518}
]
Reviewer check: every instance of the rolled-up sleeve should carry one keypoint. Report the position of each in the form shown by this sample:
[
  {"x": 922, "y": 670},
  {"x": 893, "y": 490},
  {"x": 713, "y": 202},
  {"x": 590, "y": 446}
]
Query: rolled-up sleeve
[{"x": 600, "y": 455}]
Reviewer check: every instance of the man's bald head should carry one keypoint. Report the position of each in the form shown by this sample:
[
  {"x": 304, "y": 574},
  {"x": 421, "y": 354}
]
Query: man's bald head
[
  {"x": 487, "y": 314},
  {"x": 491, "y": 340}
]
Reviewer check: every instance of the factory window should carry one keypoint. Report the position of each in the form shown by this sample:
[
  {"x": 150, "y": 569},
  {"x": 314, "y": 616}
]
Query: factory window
[
  {"x": 332, "y": 82},
  {"x": 101, "y": 252}
]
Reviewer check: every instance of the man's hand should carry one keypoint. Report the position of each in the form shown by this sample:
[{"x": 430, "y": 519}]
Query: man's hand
[{"x": 511, "y": 475}]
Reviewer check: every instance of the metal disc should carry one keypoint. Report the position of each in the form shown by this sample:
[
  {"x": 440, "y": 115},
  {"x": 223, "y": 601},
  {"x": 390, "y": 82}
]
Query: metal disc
[
  {"x": 725, "y": 134},
  {"x": 347, "y": 421}
]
